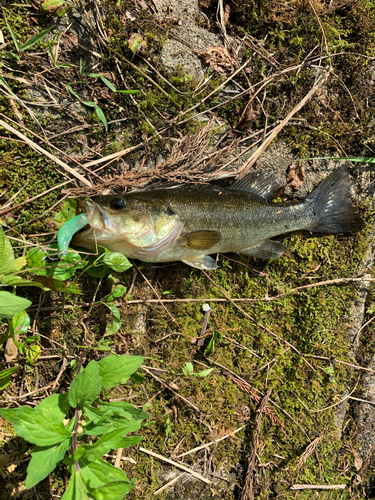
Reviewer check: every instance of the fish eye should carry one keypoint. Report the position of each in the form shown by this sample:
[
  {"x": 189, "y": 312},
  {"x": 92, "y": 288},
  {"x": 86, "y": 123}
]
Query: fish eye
[{"x": 117, "y": 203}]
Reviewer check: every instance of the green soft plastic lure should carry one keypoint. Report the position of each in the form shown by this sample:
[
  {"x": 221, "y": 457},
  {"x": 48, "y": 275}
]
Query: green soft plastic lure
[{"x": 68, "y": 230}]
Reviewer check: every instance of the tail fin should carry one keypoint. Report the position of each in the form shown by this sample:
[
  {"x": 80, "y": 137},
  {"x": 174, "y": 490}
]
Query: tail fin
[{"x": 333, "y": 207}]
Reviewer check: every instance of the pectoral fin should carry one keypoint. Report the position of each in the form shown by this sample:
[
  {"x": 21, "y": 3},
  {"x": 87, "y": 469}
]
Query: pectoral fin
[
  {"x": 205, "y": 262},
  {"x": 266, "y": 250},
  {"x": 200, "y": 240}
]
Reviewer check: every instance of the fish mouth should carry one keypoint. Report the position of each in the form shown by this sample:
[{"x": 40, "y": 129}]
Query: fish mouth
[{"x": 99, "y": 226}]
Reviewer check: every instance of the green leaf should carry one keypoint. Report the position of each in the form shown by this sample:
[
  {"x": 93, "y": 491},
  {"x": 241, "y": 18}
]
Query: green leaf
[
  {"x": 117, "y": 292},
  {"x": 86, "y": 387},
  {"x": 90, "y": 104},
  {"x": 19, "y": 263},
  {"x": 116, "y": 407},
  {"x": 67, "y": 212},
  {"x": 203, "y": 373},
  {"x": 43, "y": 461},
  {"x": 98, "y": 473},
  {"x": 211, "y": 345},
  {"x": 14, "y": 38},
  {"x": 61, "y": 287},
  {"x": 32, "y": 425},
  {"x": 108, "y": 83},
  {"x": 12, "y": 304},
  {"x": 73, "y": 92},
  {"x": 128, "y": 91},
  {"x": 57, "y": 404},
  {"x": 116, "y": 370},
  {"x": 36, "y": 261},
  {"x": 35, "y": 39},
  {"x": 101, "y": 116},
  {"x": 6, "y": 375},
  {"x": 126, "y": 442},
  {"x": 117, "y": 261},
  {"x": 108, "y": 441},
  {"x": 116, "y": 323},
  {"x": 14, "y": 280},
  {"x": 66, "y": 267},
  {"x": 32, "y": 353},
  {"x": 6, "y": 253},
  {"x": 188, "y": 369},
  {"x": 76, "y": 489},
  {"x": 114, "y": 490},
  {"x": 20, "y": 323},
  {"x": 138, "y": 378},
  {"x": 109, "y": 422}
]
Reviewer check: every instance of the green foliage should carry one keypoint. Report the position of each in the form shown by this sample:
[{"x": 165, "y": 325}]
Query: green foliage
[{"x": 54, "y": 435}]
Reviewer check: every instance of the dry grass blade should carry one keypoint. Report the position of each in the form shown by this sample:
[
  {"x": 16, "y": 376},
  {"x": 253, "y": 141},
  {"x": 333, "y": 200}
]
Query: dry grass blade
[
  {"x": 318, "y": 487},
  {"x": 254, "y": 157},
  {"x": 52, "y": 157},
  {"x": 248, "y": 489},
  {"x": 176, "y": 464}
]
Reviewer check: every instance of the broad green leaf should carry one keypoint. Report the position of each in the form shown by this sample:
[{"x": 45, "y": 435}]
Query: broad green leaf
[
  {"x": 36, "y": 261},
  {"x": 126, "y": 442},
  {"x": 43, "y": 461},
  {"x": 66, "y": 212},
  {"x": 108, "y": 441},
  {"x": 117, "y": 262},
  {"x": 72, "y": 288},
  {"x": 19, "y": 263},
  {"x": 76, "y": 489},
  {"x": 57, "y": 404},
  {"x": 35, "y": 39},
  {"x": 6, "y": 375},
  {"x": 55, "y": 7},
  {"x": 114, "y": 490},
  {"x": 66, "y": 267},
  {"x": 101, "y": 116},
  {"x": 86, "y": 386},
  {"x": 6, "y": 253},
  {"x": 136, "y": 43},
  {"x": 98, "y": 271},
  {"x": 35, "y": 427},
  {"x": 136, "y": 413},
  {"x": 12, "y": 304},
  {"x": 116, "y": 370},
  {"x": 117, "y": 292},
  {"x": 138, "y": 378},
  {"x": 115, "y": 326},
  {"x": 100, "y": 472},
  {"x": 111, "y": 422},
  {"x": 20, "y": 323},
  {"x": 14, "y": 280}
]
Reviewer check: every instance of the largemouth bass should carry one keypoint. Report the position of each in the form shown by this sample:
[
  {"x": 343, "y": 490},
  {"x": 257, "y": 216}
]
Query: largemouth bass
[{"x": 189, "y": 222}]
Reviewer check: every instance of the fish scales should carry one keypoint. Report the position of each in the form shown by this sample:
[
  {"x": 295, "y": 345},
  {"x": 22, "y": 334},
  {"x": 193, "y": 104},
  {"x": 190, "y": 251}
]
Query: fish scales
[{"x": 190, "y": 222}]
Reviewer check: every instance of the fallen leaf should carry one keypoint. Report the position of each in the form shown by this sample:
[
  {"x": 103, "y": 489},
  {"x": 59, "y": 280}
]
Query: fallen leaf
[
  {"x": 130, "y": 16},
  {"x": 11, "y": 350},
  {"x": 247, "y": 114},
  {"x": 137, "y": 44},
  {"x": 296, "y": 176},
  {"x": 219, "y": 59}
]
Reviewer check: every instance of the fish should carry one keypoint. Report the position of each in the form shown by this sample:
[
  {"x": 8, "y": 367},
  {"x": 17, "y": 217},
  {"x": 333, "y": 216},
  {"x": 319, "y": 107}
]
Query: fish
[{"x": 191, "y": 222}]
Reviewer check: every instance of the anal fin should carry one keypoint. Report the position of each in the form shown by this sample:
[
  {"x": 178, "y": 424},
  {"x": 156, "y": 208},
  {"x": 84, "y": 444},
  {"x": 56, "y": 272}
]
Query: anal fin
[
  {"x": 204, "y": 262},
  {"x": 266, "y": 250}
]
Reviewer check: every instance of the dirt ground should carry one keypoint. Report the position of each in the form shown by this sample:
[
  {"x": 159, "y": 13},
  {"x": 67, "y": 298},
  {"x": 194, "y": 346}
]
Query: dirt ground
[{"x": 224, "y": 87}]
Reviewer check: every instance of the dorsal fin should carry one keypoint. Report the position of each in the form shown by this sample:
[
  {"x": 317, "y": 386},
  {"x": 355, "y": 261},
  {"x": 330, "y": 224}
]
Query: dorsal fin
[{"x": 258, "y": 183}]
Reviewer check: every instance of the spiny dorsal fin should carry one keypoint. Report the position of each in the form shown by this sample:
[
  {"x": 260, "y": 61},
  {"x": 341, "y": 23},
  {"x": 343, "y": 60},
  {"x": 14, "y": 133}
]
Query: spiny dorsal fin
[
  {"x": 267, "y": 250},
  {"x": 258, "y": 183},
  {"x": 201, "y": 240}
]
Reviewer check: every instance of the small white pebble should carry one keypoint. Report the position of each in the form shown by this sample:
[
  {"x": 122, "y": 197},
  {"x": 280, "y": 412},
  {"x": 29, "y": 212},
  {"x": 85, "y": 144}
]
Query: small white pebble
[{"x": 206, "y": 307}]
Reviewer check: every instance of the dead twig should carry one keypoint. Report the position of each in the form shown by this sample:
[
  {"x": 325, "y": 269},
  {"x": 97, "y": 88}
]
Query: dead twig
[
  {"x": 318, "y": 487},
  {"x": 248, "y": 489}
]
